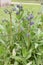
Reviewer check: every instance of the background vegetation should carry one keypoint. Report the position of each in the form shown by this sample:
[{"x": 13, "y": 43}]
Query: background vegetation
[{"x": 37, "y": 1}]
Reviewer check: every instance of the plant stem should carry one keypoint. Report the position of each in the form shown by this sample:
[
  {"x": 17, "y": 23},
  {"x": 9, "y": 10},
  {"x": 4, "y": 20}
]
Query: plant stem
[
  {"x": 11, "y": 28},
  {"x": 29, "y": 38}
]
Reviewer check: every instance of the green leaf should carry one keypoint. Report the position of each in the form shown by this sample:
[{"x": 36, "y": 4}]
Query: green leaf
[{"x": 24, "y": 52}]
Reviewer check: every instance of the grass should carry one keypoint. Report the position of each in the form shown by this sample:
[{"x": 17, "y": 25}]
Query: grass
[
  {"x": 34, "y": 8},
  {"x": 26, "y": 0}
]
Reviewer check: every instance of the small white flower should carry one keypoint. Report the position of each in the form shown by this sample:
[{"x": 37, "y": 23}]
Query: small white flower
[
  {"x": 13, "y": 53},
  {"x": 29, "y": 63}
]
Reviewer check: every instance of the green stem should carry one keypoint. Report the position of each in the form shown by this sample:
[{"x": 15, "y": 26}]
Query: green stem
[
  {"x": 29, "y": 38},
  {"x": 35, "y": 60},
  {"x": 11, "y": 28}
]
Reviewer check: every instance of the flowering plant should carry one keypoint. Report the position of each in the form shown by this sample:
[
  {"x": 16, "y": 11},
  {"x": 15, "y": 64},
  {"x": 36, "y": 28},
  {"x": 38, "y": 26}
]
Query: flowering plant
[{"x": 21, "y": 38}]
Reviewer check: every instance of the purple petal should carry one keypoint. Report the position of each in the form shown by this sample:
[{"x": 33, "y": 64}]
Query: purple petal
[
  {"x": 31, "y": 16},
  {"x": 14, "y": 9},
  {"x": 31, "y": 23},
  {"x": 18, "y": 5},
  {"x": 17, "y": 13},
  {"x": 28, "y": 18}
]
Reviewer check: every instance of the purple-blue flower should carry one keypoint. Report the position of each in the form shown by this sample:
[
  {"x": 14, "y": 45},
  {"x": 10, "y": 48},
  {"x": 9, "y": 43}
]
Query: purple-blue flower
[
  {"x": 14, "y": 9},
  {"x": 31, "y": 16},
  {"x": 31, "y": 23},
  {"x": 20, "y": 7},
  {"x": 28, "y": 18},
  {"x": 17, "y": 13}
]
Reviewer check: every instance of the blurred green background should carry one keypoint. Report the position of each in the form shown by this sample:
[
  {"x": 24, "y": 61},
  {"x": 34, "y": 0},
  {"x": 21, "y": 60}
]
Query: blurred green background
[{"x": 37, "y": 1}]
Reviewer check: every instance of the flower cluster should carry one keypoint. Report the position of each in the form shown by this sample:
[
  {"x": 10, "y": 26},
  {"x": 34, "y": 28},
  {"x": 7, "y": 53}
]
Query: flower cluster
[
  {"x": 23, "y": 38},
  {"x": 30, "y": 16},
  {"x": 18, "y": 8}
]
